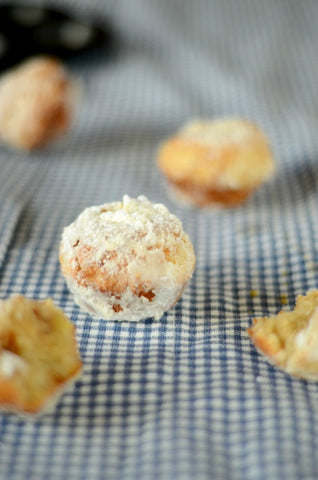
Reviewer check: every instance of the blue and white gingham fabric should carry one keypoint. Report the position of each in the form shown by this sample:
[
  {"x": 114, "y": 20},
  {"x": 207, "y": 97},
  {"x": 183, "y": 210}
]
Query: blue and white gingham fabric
[{"x": 186, "y": 397}]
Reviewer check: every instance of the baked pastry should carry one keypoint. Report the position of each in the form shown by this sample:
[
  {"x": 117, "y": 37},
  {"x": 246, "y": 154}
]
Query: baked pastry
[
  {"x": 290, "y": 339},
  {"x": 37, "y": 100},
  {"x": 217, "y": 162},
  {"x": 126, "y": 260},
  {"x": 38, "y": 353}
]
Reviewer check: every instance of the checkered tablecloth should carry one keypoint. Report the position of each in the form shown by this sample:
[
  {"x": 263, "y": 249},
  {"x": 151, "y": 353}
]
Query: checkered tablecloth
[{"x": 186, "y": 397}]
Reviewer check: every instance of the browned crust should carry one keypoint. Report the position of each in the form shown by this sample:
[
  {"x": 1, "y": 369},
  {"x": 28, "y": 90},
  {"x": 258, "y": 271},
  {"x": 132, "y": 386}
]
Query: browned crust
[
  {"x": 82, "y": 268},
  {"x": 52, "y": 117},
  {"x": 224, "y": 173},
  {"x": 206, "y": 197},
  {"x": 88, "y": 273},
  {"x": 53, "y": 120},
  {"x": 45, "y": 82},
  {"x": 263, "y": 344}
]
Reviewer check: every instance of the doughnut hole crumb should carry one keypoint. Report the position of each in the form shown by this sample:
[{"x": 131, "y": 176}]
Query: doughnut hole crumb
[
  {"x": 38, "y": 354},
  {"x": 290, "y": 339},
  {"x": 37, "y": 103},
  {"x": 220, "y": 162},
  {"x": 126, "y": 260}
]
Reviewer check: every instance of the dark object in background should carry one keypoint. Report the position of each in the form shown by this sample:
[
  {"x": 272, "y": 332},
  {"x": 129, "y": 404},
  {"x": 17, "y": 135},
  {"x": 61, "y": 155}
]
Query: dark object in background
[{"x": 27, "y": 30}]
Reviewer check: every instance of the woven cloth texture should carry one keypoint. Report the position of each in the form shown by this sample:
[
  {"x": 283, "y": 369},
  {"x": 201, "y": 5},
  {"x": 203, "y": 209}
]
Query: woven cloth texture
[{"x": 187, "y": 396}]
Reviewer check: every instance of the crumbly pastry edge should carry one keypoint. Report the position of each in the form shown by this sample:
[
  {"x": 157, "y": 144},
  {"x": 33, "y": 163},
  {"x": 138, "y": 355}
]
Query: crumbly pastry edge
[
  {"x": 295, "y": 365},
  {"x": 289, "y": 368},
  {"x": 50, "y": 403},
  {"x": 51, "y": 397}
]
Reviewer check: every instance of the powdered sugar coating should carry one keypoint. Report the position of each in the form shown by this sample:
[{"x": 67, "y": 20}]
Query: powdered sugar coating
[
  {"x": 126, "y": 260},
  {"x": 218, "y": 132},
  {"x": 10, "y": 363},
  {"x": 37, "y": 103}
]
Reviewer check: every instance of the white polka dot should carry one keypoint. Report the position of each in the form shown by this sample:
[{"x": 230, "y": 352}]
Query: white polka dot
[
  {"x": 28, "y": 16},
  {"x": 75, "y": 36}
]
